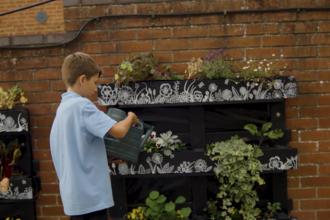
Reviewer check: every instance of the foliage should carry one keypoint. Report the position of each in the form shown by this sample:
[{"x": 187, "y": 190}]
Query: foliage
[
  {"x": 138, "y": 214},
  {"x": 166, "y": 143},
  {"x": 8, "y": 218},
  {"x": 158, "y": 209},
  {"x": 272, "y": 208},
  {"x": 216, "y": 66},
  {"x": 166, "y": 73},
  {"x": 13, "y": 96},
  {"x": 194, "y": 68},
  {"x": 238, "y": 170},
  {"x": 264, "y": 134},
  {"x": 257, "y": 71}
]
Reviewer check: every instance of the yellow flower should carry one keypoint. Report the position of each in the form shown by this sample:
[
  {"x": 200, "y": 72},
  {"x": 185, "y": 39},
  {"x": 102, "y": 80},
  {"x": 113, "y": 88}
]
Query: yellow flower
[
  {"x": 128, "y": 216},
  {"x": 141, "y": 215},
  {"x": 116, "y": 76},
  {"x": 179, "y": 212},
  {"x": 7, "y": 217},
  {"x": 23, "y": 99},
  {"x": 18, "y": 219},
  {"x": 133, "y": 216}
]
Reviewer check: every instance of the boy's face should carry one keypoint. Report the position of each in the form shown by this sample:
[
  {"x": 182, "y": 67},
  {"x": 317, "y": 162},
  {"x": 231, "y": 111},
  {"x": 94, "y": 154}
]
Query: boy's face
[{"x": 89, "y": 87}]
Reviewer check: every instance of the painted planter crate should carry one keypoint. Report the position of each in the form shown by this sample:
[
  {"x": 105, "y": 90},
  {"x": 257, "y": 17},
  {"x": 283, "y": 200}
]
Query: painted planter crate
[
  {"x": 19, "y": 188},
  {"x": 14, "y": 120},
  {"x": 196, "y": 91}
]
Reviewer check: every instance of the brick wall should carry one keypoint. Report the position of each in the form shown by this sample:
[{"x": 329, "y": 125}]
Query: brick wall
[
  {"x": 24, "y": 22},
  {"x": 299, "y": 40}
]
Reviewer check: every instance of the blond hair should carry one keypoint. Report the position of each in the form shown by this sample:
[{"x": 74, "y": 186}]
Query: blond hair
[{"x": 76, "y": 65}]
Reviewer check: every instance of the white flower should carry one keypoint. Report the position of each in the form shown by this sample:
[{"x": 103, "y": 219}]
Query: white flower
[
  {"x": 290, "y": 90},
  {"x": 278, "y": 84},
  {"x": 200, "y": 165},
  {"x": 227, "y": 94},
  {"x": 125, "y": 93},
  {"x": 243, "y": 90},
  {"x": 282, "y": 55},
  {"x": 166, "y": 90},
  {"x": 271, "y": 62},
  {"x": 23, "y": 120},
  {"x": 160, "y": 143},
  {"x": 275, "y": 163},
  {"x": 157, "y": 158},
  {"x": 255, "y": 70},
  {"x": 213, "y": 87},
  {"x": 123, "y": 169},
  {"x": 201, "y": 84},
  {"x": 198, "y": 96},
  {"x": 2, "y": 117},
  {"x": 9, "y": 121},
  {"x": 273, "y": 55},
  {"x": 153, "y": 135},
  {"x": 267, "y": 64}
]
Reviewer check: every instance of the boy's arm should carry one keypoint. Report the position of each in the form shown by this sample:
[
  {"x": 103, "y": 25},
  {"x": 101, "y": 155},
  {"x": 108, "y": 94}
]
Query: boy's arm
[{"x": 120, "y": 129}]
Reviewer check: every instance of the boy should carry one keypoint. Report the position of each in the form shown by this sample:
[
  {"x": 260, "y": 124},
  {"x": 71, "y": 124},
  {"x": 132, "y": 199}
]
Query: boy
[{"x": 76, "y": 142}]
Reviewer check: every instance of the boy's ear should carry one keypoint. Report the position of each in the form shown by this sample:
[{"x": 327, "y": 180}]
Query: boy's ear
[{"x": 81, "y": 79}]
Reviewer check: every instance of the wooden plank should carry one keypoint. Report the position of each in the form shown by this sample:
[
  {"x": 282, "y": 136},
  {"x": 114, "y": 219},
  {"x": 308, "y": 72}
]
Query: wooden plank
[{"x": 197, "y": 128}]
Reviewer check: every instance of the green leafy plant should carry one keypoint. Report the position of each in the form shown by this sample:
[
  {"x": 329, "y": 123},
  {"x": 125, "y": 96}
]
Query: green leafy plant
[
  {"x": 238, "y": 170},
  {"x": 213, "y": 210},
  {"x": 264, "y": 134},
  {"x": 166, "y": 143},
  {"x": 194, "y": 68},
  {"x": 166, "y": 73},
  {"x": 137, "y": 214},
  {"x": 272, "y": 208},
  {"x": 11, "y": 97},
  {"x": 158, "y": 209},
  {"x": 216, "y": 66}
]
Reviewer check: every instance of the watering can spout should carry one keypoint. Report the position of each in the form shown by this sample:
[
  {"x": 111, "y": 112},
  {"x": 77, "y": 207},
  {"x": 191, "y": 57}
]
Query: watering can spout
[{"x": 147, "y": 134}]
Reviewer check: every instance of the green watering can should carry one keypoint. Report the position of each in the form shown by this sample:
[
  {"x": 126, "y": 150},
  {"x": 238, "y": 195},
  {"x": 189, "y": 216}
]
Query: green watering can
[{"x": 129, "y": 147}]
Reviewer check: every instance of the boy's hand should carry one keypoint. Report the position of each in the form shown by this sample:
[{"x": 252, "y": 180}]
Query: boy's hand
[{"x": 134, "y": 118}]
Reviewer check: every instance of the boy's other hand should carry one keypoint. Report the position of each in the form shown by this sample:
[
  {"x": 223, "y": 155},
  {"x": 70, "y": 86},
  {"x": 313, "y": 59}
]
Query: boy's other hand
[
  {"x": 115, "y": 161},
  {"x": 134, "y": 118}
]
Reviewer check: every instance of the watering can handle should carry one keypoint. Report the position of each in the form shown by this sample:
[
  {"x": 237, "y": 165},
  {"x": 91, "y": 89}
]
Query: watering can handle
[{"x": 147, "y": 134}]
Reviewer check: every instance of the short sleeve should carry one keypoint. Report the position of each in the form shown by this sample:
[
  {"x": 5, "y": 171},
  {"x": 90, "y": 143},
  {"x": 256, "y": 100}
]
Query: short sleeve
[{"x": 97, "y": 122}]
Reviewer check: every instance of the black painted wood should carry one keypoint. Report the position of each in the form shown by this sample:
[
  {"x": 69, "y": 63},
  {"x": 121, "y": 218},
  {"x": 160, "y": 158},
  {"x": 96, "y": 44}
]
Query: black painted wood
[
  {"x": 120, "y": 198},
  {"x": 199, "y": 193},
  {"x": 279, "y": 188},
  {"x": 197, "y": 128}
]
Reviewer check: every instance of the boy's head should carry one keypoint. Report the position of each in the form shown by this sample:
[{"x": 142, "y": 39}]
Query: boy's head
[{"x": 80, "y": 73}]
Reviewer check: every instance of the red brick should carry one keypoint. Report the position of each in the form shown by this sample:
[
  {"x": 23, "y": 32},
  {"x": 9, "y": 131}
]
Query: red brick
[
  {"x": 5, "y": 53},
  {"x": 7, "y": 65},
  {"x": 93, "y": 36},
  {"x": 312, "y": 39},
  {"x": 301, "y": 100},
  {"x": 172, "y": 44},
  {"x": 324, "y": 27},
  {"x": 293, "y": 182},
  {"x": 43, "y": 143},
  {"x": 101, "y": 59},
  {"x": 324, "y": 170},
  {"x": 54, "y": 51},
  {"x": 121, "y": 9},
  {"x": 184, "y": 56},
  {"x": 108, "y": 48},
  {"x": 315, "y": 135},
  {"x": 56, "y": 61},
  {"x": 264, "y": 53},
  {"x": 50, "y": 188},
  {"x": 179, "y": 68},
  {"x": 315, "y": 181},
  {"x": 46, "y": 200},
  {"x": 139, "y": 46},
  {"x": 290, "y": 52},
  {"x": 314, "y": 158},
  {"x": 324, "y": 122},
  {"x": 117, "y": 59},
  {"x": 313, "y": 88},
  {"x": 157, "y": 33},
  {"x": 171, "y": 21},
  {"x": 226, "y": 30},
  {"x": 91, "y": 48},
  {"x": 48, "y": 97},
  {"x": 314, "y": 64},
  {"x": 291, "y": 112},
  {"x": 44, "y": 121},
  {"x": 98, "y": 11},
  {"x": 207, "y": 43},
  {"x": 271, "y": 41},
  {"x": 58, "y": 85},
  {"x": 303, "y": 147},
  {"x": 47, "y": 74},
  {"x": 6, "y": 86},
  {"x": 164, "y": 57},
  {"x": 303, "y": 215},
  {"x": 243, "y": 18},
  {"x": 298, "y": 3},
  {"x": 303, "y": 171},
  {"x": 109, "y": 71},
  {"x": 38, "y": 109},
  {"x": 310, "y": 15},
  {"x": 262, "y": 4},
  {"x": 261, "y": 29},
  {"x": 42, "y": 155},
  {"x": 46, "y": 166},
  {"x": 53, "y": 211},
  {"x": 122, "y": 35},
  {"x": 323, "y": 3},
  {"x": 72, "y": 48},
  {"x": 54, "y": 108},
  {"x": 31, "y": 63},
  {"x": 324, "y": 51},
  {"x": 324, "y": 75},
  {"x": 315, "y": 204},
  {"x": 302, "y": 76},
  {"x": 225, "y": 5},
  {"x": 181, "y": 7},
  {"x": 16, "y": 76},
  {"x": 323, "y": 192},
  {"x": 206, "y": 19},
  {"x": 34, "y": 86},
  {"x": 301, "y": 27},
  {"x": 41, "y": 132},
  {"x": 301, "y": 193},
  {"x": 301, "y": 123},
  {"x": 76, "y": 13},
  {"x": 134, "y": 22},
  {"x": 323, "y": 215},
  {"x": 279, "y": 16},
  {"x": 71, "y": 25},
  {"x": 243, "y": 42},
  {"x": 108, "y": 24},
  {"x": 324, "y": 99},
  {"x": 158, "y": 8},
  {"x": 190, "y": 32}
]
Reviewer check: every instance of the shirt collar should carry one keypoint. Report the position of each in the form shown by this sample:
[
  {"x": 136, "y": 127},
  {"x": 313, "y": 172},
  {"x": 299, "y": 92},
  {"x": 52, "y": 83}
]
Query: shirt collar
[{"x": 69, "y": 95}]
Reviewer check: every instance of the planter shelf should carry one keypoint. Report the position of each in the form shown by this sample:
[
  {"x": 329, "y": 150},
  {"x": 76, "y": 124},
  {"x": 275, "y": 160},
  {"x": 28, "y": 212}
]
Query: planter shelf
[
  {"x": 19, "y": 188},
  {"x": 200, "y": 91},
  {"x": 14, "y": 121},
  {"x": 198, "y": 163}
]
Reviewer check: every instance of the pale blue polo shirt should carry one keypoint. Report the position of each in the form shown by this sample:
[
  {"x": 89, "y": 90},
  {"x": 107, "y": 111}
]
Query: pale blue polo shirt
[{"x": 79, "y": 155}]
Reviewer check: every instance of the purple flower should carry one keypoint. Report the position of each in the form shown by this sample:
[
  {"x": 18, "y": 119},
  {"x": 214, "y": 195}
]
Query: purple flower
[
  {"x": 159, "y": 74},
  {"x": 224, "y": 55},
  {"x": 165, "y": 74},
  {"x": 221, "y": 51},
  {"x": 156, "y": 68}
]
